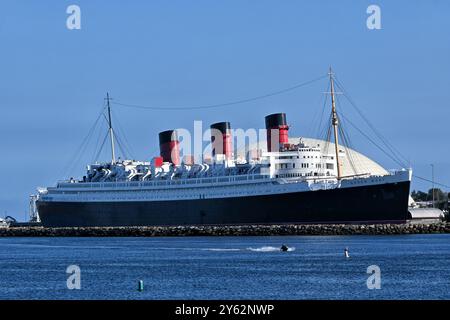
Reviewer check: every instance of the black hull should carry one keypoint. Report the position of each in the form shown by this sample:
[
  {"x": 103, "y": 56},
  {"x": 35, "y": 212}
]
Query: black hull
[{"x": 362, "y": 204}]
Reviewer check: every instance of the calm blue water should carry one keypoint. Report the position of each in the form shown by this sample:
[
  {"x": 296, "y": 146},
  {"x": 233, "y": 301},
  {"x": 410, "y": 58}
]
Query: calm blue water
[{"x": 412, "y": 267}]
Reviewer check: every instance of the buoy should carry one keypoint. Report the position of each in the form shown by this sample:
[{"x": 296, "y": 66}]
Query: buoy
[
  {"x": 141, "y": 285},
  {"x": 346, "y": 253}
]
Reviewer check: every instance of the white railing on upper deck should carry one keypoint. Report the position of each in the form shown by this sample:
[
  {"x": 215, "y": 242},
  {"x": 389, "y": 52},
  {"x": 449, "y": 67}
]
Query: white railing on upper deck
[{"x": 158, "y": 183}]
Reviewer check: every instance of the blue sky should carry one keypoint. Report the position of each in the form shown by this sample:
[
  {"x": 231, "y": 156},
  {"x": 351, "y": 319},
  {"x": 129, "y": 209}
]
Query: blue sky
[{"x": 53, "y": 80}]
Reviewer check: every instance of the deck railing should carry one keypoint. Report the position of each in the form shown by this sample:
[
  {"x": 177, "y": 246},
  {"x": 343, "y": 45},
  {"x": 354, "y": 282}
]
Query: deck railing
[{"x": 157, "y": 182}]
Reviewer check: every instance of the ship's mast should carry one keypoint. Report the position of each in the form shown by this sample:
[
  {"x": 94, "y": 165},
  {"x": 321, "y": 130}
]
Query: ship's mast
[
  {"x": 335, "y": 123},
  {"x": 432, "y": 181},
  {"x": 111, "y": 132}
]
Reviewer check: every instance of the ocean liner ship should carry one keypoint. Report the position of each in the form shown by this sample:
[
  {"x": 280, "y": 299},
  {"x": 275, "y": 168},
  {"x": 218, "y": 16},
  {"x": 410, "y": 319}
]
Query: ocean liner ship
[{"x": 290, "y": 183}]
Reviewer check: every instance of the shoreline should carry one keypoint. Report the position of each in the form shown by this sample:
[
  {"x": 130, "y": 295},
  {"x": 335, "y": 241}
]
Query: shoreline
[{"x": 235, "y": 230}]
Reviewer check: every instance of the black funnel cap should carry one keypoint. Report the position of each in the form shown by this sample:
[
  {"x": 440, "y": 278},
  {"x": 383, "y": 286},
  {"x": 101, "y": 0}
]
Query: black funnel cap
[
  {"x": 167, "y": 136},
  {"x": 275, "y": 120},
  {"x": 223, "y": 127}
]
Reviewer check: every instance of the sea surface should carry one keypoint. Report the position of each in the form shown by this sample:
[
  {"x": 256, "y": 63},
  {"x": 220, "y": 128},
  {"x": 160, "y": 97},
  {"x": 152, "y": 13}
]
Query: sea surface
[{"x": 411, "y": 267}]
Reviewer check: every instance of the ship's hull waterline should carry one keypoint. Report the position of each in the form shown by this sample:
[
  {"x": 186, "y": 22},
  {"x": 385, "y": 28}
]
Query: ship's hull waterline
[{"x": 362, "y": 204}]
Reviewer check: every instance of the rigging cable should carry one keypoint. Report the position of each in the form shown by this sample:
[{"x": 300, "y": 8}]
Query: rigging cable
[
  {"x": 327, "y": 140},
  {"x": 387, "y": 154},
  {"x": 400, "y": 159},
  {"x": 121, "y": 146},
  {"x": 82, "y": 147},
  {"x": 218, "y": 105},
  {"x": 347, "y": 142},
  {"x": 124, "y": 149},
  {"x": 431, "y": 181},
  {"x": 122, "y": 136},
  {"x": 323, "y": 109},
  {"x": 395, "y": 153},
  {"x": 101, "y": 147},
  {"x": 99, "y": 139},
  {"x": 318, "y": 116},
  {"x": 98, "y": 151},
  {"x": 371, "y": 140}
]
